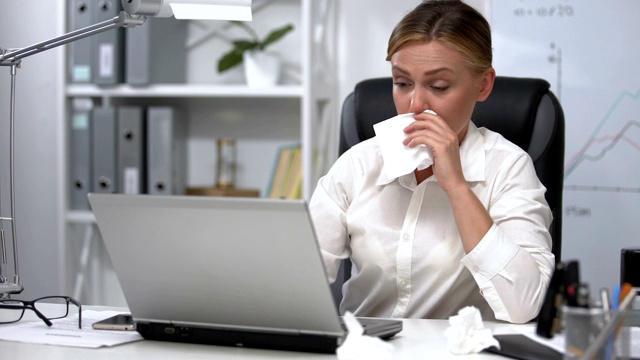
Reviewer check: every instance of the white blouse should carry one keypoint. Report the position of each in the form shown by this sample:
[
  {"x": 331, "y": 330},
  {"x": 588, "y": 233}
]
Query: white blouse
[{"x": 408, "y": 260}]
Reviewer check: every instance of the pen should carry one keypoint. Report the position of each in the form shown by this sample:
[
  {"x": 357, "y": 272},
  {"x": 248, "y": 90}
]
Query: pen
[
  {"x": 606, "y": 304},
  {"x": 606, "y": 308},
  {"x": 615, "y": 299},
  {"x": 624, "y": 291}
]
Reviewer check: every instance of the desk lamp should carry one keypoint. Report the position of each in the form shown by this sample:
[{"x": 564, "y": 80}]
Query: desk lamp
[{"x": 135, "y": 13}]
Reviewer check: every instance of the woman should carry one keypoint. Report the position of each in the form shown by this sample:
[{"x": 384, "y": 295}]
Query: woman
[{"x": 470, "y": 230}]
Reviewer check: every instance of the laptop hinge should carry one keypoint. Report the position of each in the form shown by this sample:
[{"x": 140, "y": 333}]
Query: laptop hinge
[
  {"x": 322, "y": 333},
  {"x": 242, "y": 328}
]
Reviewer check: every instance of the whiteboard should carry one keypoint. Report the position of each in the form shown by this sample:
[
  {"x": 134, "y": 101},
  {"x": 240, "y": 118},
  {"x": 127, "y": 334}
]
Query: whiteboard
[{"x": 589, "y": 51}]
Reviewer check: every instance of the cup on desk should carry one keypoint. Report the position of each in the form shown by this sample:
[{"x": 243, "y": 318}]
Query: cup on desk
[{"x": 582, "y": 326}]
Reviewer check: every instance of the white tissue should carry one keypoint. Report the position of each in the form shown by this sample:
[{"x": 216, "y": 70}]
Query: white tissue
[
  {"x": 466, "y": 333},
  {"x": 358, "y": 346},
  {"x": 400, "y": 159}
]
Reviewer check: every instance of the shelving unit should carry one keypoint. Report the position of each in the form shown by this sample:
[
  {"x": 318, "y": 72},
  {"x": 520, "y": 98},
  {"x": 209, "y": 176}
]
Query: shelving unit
[
  {"x": 185, "y": 91},
  {"x": 300, "y": 110}
]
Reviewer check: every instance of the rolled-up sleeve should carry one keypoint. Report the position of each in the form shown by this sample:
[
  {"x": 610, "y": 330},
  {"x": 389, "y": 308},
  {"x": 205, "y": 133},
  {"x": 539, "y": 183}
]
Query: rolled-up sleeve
[{"x": 513, "y": 263}]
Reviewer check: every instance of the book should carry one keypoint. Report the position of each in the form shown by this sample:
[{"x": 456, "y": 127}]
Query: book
[
  {"x": 292, "y": 187},
  {"x": 280, "y": 177}
]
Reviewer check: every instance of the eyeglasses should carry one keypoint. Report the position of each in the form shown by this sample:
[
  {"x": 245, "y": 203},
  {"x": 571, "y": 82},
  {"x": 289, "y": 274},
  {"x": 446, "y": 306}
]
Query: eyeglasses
[{"x": 12, "y": 310}]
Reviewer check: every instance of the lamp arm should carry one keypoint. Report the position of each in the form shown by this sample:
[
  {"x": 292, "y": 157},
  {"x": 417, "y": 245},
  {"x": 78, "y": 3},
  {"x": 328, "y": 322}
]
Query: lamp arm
[{"x": 13, "y": 56}]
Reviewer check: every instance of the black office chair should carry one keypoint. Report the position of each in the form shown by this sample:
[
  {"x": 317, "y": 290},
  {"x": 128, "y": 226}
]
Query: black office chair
[{"x": 523, "y": 110}]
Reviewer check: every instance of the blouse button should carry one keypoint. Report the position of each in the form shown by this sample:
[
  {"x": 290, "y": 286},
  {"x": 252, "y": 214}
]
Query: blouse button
[{"x": 407, "y": 237}]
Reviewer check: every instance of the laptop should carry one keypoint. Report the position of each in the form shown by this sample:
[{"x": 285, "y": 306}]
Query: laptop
[{"x": 224, "y": 271}]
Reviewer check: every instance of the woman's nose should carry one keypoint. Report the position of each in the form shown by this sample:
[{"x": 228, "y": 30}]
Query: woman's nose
[{"x": 418, "y": 102}]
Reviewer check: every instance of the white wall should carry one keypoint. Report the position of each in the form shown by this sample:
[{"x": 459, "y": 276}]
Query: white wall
[
  {"x": 364, "y": 27},
  {"x": 37, "y": 165}
]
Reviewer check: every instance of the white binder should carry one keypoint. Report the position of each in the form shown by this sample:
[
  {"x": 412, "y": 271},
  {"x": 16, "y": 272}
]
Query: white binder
[
  {"x": 155, "y": 52},
  {"x": 131, "y": 150},
  {"x": 108, "y": 46},
  {"x": 166, "y": 151},
  {"x": 80, "y": 153},
  {"x": 80, "y": 62},
  {"x": 103, "y": 141}
]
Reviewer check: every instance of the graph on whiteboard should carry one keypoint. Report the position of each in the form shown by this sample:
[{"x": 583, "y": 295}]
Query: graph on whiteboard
[{"x": 588, "y": 50}]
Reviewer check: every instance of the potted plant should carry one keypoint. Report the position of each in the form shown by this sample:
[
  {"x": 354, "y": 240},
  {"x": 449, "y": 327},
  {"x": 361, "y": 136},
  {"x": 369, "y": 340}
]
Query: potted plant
[{"x": 261, "y": 68}]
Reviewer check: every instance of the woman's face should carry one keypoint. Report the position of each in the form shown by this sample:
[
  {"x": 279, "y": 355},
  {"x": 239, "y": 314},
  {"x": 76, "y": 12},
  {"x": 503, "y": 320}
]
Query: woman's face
[{"x": 432, "y": 76}]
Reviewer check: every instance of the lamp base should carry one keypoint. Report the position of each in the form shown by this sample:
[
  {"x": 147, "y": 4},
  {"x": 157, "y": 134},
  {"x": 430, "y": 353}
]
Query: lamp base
[{"x": 8, "y": 289}]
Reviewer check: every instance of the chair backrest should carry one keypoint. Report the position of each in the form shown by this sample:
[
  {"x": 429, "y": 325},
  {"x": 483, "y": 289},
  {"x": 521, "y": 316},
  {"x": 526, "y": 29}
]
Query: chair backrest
[{"x": 523, "y": 110}]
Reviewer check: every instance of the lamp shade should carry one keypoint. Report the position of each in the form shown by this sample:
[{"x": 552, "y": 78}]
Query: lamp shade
[{"x": 191, "y": 9}]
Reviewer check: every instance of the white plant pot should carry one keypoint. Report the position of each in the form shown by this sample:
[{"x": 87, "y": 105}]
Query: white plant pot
[{"x": 261, "y": 69}]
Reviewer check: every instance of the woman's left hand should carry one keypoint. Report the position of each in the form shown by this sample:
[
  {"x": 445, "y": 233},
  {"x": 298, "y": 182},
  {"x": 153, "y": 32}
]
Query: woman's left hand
[{"x": 432, "y": 131}]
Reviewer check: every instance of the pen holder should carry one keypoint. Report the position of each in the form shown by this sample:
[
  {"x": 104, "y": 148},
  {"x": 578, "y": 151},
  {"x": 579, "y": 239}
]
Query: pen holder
[{"x": 583, "y": 325}]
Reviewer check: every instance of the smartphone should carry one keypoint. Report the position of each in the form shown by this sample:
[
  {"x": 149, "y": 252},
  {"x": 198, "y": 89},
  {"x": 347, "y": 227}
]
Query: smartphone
[{"x": 118, "y": 322}]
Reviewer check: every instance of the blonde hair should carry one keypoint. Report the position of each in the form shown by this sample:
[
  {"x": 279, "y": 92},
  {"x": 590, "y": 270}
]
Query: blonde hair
[{"x": 451, "y": 22}]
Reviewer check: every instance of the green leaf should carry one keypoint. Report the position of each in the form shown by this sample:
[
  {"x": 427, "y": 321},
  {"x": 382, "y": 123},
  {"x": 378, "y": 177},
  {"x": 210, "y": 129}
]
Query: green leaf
[
  {"x": 244, "y": 45},
  {"x": 230, "y": 60},
  {"x": 234, "y": 56},
  {"x": 276, "y": 35}
]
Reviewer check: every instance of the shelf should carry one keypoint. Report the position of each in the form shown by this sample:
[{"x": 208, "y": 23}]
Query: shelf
[{"x": 184, "y": 90}]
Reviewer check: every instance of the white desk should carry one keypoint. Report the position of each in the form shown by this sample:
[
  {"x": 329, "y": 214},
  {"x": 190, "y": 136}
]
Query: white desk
[{"x": 419, "y": 339}]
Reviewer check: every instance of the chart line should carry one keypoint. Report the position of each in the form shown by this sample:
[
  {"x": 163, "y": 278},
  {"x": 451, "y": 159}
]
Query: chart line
[{"x": 580, "y": 155}]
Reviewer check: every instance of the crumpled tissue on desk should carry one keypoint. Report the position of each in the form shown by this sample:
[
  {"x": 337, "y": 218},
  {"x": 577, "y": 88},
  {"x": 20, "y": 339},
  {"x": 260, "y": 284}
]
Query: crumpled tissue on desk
[
  {"x": 358, "y": 346},
  {"x": 467, "y": 334}
]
